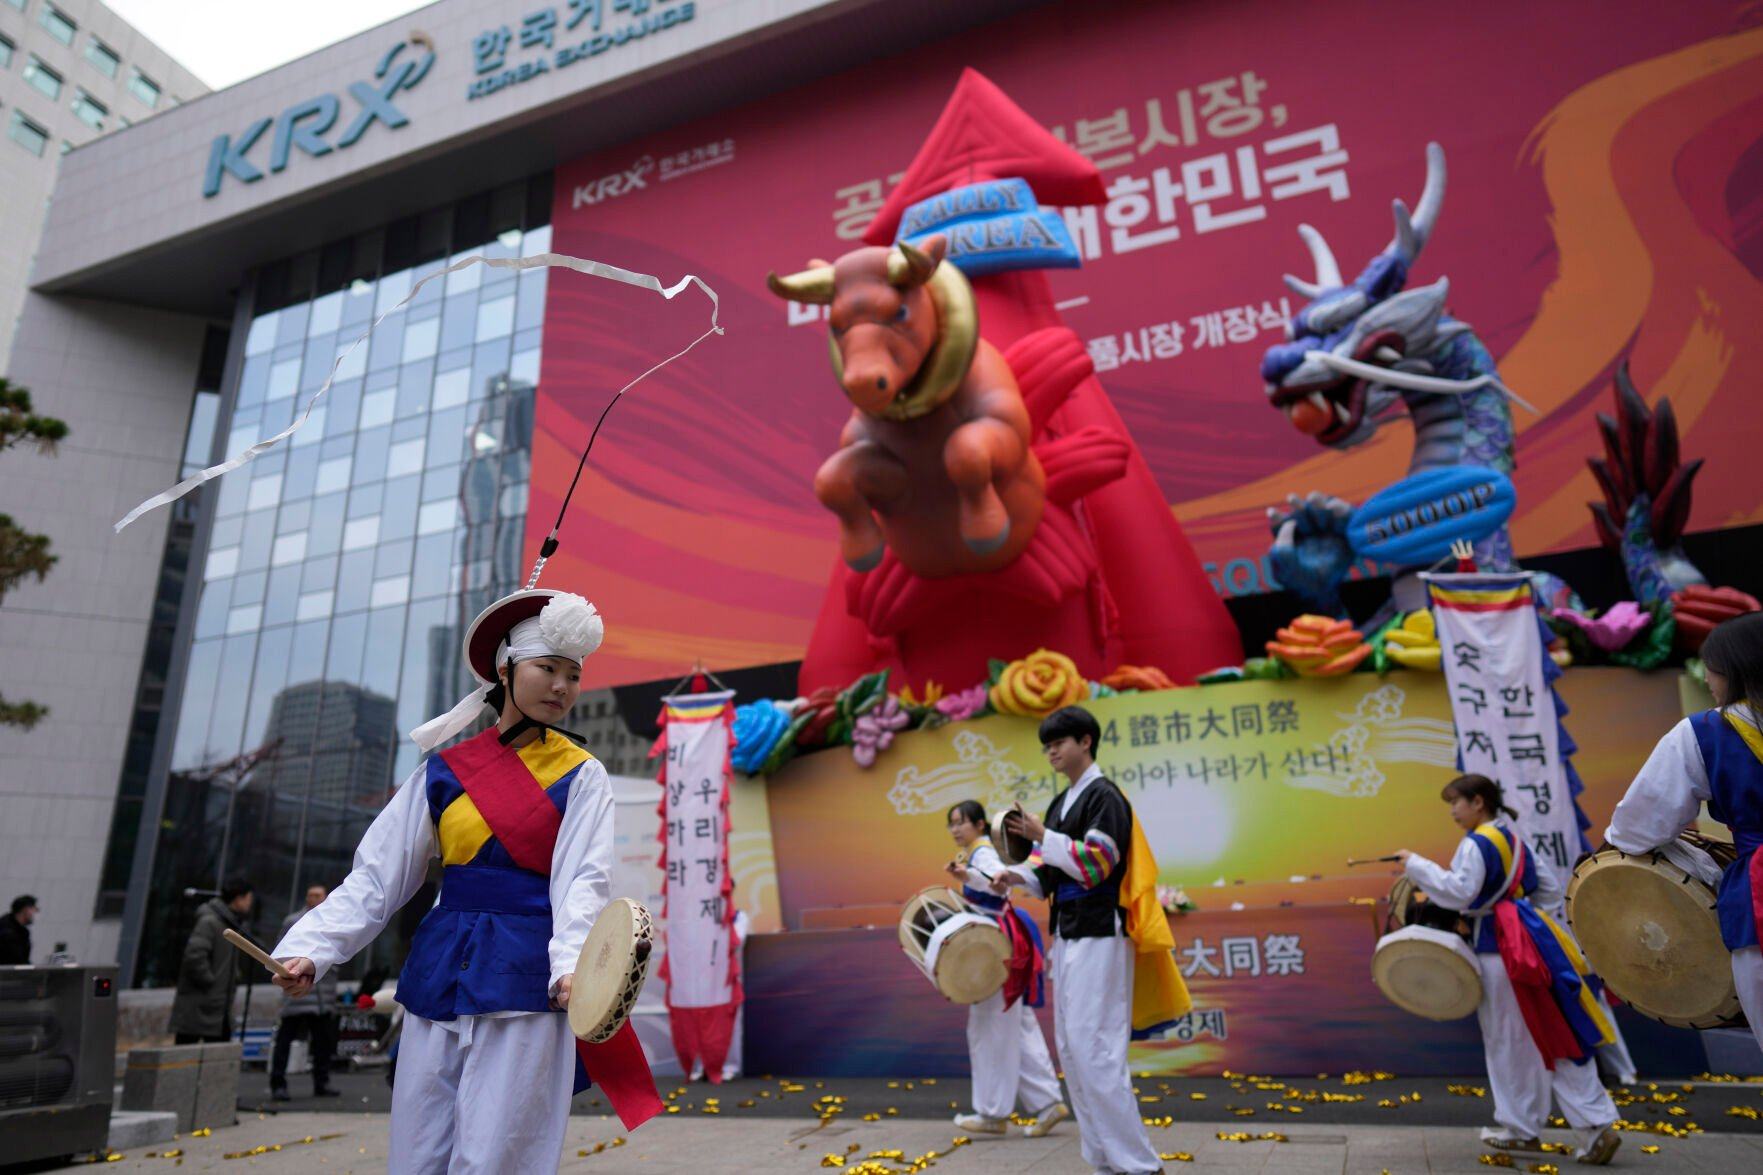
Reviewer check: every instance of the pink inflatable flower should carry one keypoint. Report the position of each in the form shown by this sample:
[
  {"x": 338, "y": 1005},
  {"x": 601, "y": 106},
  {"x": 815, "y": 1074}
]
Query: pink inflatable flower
[
  {"x": 964, "y": 705},
  {"x": 1614, "y": 629},
  {"x": 875, "y": 730}
]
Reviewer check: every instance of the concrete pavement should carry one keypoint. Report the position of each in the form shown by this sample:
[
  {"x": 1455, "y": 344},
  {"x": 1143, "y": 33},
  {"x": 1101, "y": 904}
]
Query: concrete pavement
[{"x": 356, "y": 1142}]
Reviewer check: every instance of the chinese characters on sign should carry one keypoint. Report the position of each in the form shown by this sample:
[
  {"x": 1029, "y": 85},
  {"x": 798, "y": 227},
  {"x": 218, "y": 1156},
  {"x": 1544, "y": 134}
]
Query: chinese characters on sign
[
  {"x": 1238, "y": 956},
  {"x": 585, "y": 29}
]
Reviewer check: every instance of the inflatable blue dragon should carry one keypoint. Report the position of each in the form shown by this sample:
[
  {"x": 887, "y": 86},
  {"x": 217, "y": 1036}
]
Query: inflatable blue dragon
[{"x": 1361, "y": 353}]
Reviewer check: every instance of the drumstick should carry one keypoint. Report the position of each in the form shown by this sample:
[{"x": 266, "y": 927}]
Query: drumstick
[
  {"x": 256, "y": 952},
  {"x": 1352, "y": 861}
]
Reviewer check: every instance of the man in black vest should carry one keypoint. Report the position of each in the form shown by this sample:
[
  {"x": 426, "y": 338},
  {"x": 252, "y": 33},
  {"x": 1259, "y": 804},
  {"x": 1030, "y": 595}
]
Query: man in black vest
[{"x": 1083, "y": 845}]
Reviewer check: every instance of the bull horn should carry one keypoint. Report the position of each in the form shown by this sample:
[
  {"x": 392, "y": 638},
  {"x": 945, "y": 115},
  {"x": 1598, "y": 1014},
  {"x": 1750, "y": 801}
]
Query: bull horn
[
  {"x": 909, "y": 265},
  {"x": 1411, "y": 238},
  {"x": 813, "y": 286},
  {"x": 1328, "y": 273},
  {"x": 1302, "y": 288}
]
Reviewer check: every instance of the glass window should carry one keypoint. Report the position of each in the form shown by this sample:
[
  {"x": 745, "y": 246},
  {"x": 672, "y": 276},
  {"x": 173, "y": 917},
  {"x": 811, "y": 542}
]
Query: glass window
[
  {"x": 144, "y": 88},
  {"x": 494, "y": 319},
  {"x": 89, "y": 110},
  {"x": 59, "y": 24},
  {"x": 102, "y": 57},
  {"x": 27, "y": 134},
  {"x": 6, "y": 50},
  {"x": 45, "y": 80}
]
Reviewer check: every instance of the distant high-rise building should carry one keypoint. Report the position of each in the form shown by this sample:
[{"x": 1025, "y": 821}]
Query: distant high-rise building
[{"x": 70, "y": 71}]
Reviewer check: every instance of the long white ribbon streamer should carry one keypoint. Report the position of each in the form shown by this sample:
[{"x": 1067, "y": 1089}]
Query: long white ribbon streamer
[{"x": 541, "y": 260}]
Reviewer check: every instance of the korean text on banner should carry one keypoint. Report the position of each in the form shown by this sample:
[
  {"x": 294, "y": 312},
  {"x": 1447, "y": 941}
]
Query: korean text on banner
[
  {"x": 703, "y": 987},
  {"x": 1508, "y": 725}
]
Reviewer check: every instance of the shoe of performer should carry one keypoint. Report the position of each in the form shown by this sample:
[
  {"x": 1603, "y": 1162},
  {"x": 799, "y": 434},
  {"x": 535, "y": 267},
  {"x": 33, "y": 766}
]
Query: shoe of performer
[
  {"x": 1047, "y": 1119},
  {"x": 279, "y": 1093},
  {"x": 979, "y": 1124},
  {"x": 1500, "y": 1138},
  {"x": 1602, "y": 1146},
  {"x": 324, "y": 1091}
]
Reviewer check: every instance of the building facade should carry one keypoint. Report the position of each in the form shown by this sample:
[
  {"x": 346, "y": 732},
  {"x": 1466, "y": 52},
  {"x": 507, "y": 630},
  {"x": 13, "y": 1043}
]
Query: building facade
[
  {"x": 229, "y": 678},
  {"x": 70, "y": 72}
]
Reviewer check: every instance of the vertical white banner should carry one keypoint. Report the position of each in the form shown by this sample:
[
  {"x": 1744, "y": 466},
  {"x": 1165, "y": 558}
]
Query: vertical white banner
[
  {"x": 1507, "y": 726},
  {"x": 695, "y": 779}
]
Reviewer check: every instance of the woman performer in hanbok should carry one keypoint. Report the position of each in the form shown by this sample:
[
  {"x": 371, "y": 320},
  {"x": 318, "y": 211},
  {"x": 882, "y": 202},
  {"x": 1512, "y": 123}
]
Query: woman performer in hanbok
[
  {"x": 1005, "y": 1047},
  {"x": 520, "y": 818},
  {"x": 1716, "y": 758},
  {"x": 1542, "y": 1014}
]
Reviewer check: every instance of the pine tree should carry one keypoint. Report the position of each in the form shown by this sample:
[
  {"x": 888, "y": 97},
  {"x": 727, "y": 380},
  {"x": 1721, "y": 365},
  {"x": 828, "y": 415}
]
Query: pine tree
[{"x": 23, "y": 553}]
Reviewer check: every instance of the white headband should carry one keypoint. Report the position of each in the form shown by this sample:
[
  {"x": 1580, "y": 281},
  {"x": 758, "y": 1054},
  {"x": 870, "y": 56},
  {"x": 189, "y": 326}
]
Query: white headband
[
  {"x": 526, "y": 640},
  {"x": 568, "y": 627}
]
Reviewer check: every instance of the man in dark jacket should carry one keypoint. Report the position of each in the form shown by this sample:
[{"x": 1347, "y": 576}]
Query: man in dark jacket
[
  {"x": 312, "y": 1017},
  {"x": 15, "y": 933},
  {"x": 202, "y": 1009}
]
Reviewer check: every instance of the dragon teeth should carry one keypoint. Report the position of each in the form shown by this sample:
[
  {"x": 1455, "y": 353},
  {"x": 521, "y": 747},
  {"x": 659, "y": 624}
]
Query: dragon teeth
[{"x": 1387, "y": 355}]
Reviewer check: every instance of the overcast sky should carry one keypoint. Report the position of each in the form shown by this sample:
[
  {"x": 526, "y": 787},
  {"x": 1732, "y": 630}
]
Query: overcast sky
[{"x": 227, "y": 41}]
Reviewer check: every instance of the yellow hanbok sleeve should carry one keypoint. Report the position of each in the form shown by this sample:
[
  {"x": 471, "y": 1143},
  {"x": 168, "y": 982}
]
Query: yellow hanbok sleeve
[{"x": 1159, "y": 996}]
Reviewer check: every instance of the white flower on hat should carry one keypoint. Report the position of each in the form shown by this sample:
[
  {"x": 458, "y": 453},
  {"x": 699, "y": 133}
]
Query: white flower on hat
[{"x": 571, "y": 626}]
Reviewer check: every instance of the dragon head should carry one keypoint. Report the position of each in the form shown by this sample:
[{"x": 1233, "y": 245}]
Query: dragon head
[{"x": 1356, "y": 346}]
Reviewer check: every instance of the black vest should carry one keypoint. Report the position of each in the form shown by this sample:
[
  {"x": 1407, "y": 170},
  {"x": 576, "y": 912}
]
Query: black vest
[{"x": 1095, "y": 912}]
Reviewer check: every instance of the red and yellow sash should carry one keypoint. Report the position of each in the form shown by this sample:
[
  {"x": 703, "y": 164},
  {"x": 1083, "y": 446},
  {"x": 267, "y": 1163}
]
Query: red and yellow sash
[{"x": 523, "y": 819}]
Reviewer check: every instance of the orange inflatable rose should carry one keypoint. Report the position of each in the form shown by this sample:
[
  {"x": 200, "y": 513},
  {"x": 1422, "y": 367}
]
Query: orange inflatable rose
[
  {"x": 1315, "y": 646},
  {"x": 1038, "y": 684}
]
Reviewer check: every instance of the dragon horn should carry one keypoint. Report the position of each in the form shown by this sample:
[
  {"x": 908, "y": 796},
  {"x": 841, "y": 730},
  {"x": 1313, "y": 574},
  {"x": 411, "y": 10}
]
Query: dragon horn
[
  {"x": 1671, "y": 513},
  {"x": 1405, "y": 244},
  {"x": 1302, "y": 288},
  {"x": 813, "y": 286},
  {"x": 1328, "y": 273},
  {"x": 1660, "y": 458},
  {"x": 1432, "y": 198}
]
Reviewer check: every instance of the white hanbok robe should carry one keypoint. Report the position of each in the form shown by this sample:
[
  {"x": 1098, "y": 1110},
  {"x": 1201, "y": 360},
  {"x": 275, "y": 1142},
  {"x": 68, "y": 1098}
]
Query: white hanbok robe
[
  {"x": 487, "y": 1093},
  {"x": 1519, "y": 1080},
  {"x": 1662, "y": 802},
  {"x": 1092, "y": 1026},
  {"x": 1005, "y": 1046}
]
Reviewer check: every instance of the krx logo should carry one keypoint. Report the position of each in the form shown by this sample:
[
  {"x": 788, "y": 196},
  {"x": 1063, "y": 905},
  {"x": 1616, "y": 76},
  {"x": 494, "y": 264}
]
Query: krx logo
[
  {"x": 608, "y": 187},
  {"x": 305, "y": 124}
]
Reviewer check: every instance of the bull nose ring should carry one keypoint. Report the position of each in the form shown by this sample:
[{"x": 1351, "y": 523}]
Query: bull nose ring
[{"x": 881, "y": 383}]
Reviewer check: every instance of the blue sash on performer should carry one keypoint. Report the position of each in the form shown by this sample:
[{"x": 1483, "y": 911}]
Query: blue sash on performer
[
  {"x": 1735, "y": 786},
  {"x": 984, "y": 899}
]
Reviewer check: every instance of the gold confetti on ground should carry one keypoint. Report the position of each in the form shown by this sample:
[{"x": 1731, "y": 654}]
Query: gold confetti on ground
[
  {"x": 1497, "y": 1161},
  {"x": 960, "y": 1140},
  {"x": 1149, "y": 1097},
  {"x": 1742, "y": 1112},
  {"x": 1467, "y": 1090},
  {"x": 1544, "y": 1169},
  {"x": 1176, "y": 1157},
  {"x": 1555, "y": 1148},
  {"x": 1164, "y": 1123},
  {"x": 1196, "y": 1097},
  {"x": 832, "y": 1160},
  {"x": 1652, "y": 1148}
]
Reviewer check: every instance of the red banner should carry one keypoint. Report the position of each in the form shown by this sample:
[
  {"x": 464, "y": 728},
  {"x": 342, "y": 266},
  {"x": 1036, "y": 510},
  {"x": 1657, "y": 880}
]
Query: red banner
[{"x": 1602, "y": 203}]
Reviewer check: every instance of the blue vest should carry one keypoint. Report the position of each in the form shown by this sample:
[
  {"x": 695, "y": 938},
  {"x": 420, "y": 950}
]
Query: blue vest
[
  {"x": 1735, "y": 783},
  {"x": 485, "y": 946}
]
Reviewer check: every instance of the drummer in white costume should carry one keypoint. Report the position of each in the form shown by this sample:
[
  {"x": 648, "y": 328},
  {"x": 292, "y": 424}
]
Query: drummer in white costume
[
  {"x": 1493, "y": 867},
  {"x": 1716, "y": 758},
  {"x": 1006, "y": 1049},
  {"x": 487, "y": 1065}
]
